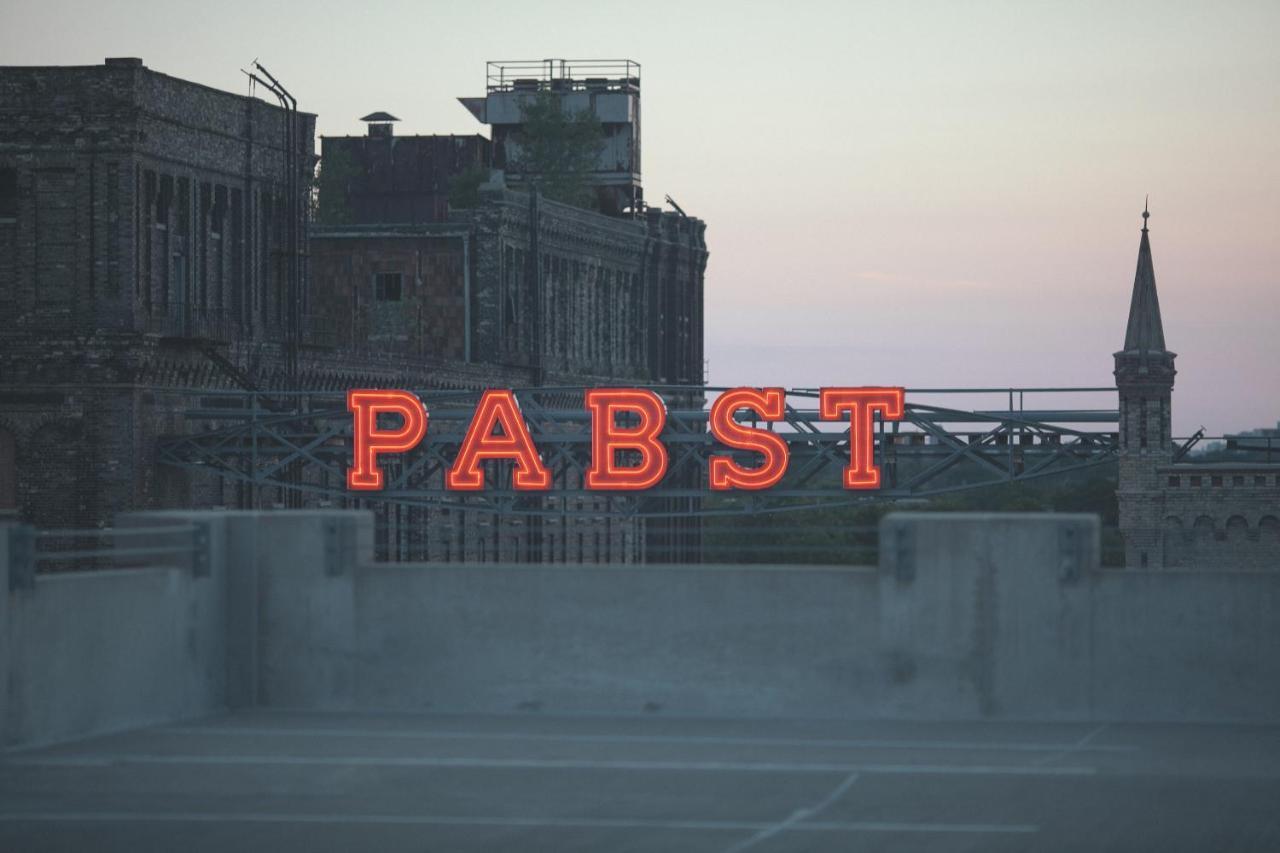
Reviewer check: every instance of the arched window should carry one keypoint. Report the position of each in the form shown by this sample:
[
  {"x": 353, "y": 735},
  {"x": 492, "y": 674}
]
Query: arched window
[
  {"x": 1237, "y": 528},
  {"x": 1175, "y": 540},
  {"x": 1269, "y": 530}
]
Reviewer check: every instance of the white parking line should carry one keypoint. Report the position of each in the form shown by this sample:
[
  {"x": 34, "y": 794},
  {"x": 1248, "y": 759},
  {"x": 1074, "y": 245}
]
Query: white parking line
[
  {"x": 531, "y": 822},
  {"x": 819, "y": 743},
  {"x": 109, "y": 760},
  {"x": 1079, "y": 746},
  {"x": 797, "y": 816}
]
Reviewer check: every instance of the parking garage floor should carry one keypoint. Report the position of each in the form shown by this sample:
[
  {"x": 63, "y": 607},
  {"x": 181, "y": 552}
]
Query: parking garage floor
[{"x": 343, "y": 782}]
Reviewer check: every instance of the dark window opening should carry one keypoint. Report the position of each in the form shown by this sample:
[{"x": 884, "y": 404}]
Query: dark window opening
[
  {"x": 8, "y": 473},
  {"x": 8, "y": 193},
  {"x": 1259, "y": 480},
  {"x": 163, "y": 200},
  {"x": 1175, "y": 481},
  {"x": 184, "y": 207},
  {"x": 1216, "y": 481},
  {"x": 1195, "y": 481},
  {"x": 387, "y": 286},
  {"x": 1237, "y": 480},
  {"x": 218, "y": 213}
]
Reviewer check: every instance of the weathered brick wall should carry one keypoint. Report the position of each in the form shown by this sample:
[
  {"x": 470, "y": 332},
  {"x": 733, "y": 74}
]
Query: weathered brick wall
[
  {"x": 428, "y": 315},
  {"x": 403, "y": 179},
  {"x": 143, "y": 266},
  {"x": 121, "y": 176}
]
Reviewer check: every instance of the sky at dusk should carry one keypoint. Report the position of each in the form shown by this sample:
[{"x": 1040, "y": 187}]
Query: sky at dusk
[{"x": 919, "y": 194}]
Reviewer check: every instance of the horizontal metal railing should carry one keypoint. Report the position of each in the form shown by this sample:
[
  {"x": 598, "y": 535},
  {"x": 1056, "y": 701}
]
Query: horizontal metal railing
[
  {"x": 35, "y": 551},
  {"x": 808, "y": 542},
  {"x": 562, "y": 75}
]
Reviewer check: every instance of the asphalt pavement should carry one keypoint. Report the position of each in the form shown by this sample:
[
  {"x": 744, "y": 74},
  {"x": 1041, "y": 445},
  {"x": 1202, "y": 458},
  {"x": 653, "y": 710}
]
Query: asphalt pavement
[{"x": 267, "y": 781}]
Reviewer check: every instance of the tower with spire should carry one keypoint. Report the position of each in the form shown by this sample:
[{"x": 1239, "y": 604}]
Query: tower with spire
[{"x": 1144, "y": 377}]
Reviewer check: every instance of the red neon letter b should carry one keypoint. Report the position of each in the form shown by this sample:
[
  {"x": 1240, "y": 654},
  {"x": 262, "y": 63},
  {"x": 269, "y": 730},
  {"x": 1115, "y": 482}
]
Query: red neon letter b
[{"x": 607, "y": 438}]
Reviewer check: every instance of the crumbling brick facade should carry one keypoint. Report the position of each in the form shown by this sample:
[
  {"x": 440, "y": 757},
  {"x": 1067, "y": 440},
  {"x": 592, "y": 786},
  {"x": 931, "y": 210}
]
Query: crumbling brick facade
[
  {"x": 146, "y": 230},
  {"x": 143, "y": 260}
]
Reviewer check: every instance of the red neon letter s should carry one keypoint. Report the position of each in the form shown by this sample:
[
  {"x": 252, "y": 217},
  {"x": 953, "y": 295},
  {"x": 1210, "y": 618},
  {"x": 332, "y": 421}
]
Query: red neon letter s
[
  {"x": 723, "y": 472},
  {"x": 366, "y": 405},
  {"x": 607, "y": 438},
  {"x": 498, "y": 408},
  {"x": 860, "y": 403}
]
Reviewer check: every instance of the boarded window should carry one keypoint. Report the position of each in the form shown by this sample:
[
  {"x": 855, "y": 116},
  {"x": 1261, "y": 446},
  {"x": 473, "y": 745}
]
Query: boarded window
[
  {"x": 387, "y": 286},
  {"x": 8, "y": 193},
  {"x": 8, "y": 473}
]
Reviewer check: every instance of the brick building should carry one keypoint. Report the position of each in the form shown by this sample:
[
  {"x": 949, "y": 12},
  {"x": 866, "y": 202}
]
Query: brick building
[
  {"x": 548, "y": 293},
  {"x": 145, "y": 243},
  {"x": 149, "y": 230},
  {"x": 1176, "y": 514}
]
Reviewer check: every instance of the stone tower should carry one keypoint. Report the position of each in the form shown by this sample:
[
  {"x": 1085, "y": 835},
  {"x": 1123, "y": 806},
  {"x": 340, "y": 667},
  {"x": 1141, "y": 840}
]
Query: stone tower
[{"x": 1144, "y": 377}]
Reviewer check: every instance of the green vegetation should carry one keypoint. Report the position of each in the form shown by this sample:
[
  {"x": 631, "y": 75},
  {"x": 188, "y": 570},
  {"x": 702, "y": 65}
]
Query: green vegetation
[
  {"x": 464, "y": 187},
  {"x": 848, "y": 534},
  {"x": 559, "y": 150}
]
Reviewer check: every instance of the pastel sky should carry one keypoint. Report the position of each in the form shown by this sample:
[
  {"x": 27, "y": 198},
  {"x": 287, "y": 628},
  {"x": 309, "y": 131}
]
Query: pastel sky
[{"x": 926, "y": 194}]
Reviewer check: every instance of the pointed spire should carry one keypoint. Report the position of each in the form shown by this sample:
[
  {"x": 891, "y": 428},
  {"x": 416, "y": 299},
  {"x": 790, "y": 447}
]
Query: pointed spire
[{"x": 1145, "y": 331}]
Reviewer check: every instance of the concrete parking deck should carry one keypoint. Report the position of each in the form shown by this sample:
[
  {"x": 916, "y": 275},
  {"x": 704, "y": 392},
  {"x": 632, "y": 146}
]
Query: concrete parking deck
[{"x": 329, "y": 782}]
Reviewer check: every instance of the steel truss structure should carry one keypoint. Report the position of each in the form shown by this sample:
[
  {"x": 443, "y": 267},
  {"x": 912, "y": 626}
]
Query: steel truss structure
[{"x": 301, "y": 441}]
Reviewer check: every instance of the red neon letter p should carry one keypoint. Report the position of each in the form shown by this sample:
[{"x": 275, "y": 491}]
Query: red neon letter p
[{"x": 370, "y": 442}]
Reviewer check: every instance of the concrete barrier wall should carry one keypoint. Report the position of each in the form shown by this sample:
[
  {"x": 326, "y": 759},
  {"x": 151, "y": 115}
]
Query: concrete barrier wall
[
  {"x": 1175, "y": 645},
  {"x": 988, "y": 615},
  {"x": 99, "y": 651},
  {"x": 615, "y": 639},
  {"x": 968, "y": 616},
  {"x": 96, "y": 651}
]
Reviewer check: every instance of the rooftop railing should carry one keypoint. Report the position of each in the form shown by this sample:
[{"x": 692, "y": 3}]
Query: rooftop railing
[{"x": 563, "y": 75}]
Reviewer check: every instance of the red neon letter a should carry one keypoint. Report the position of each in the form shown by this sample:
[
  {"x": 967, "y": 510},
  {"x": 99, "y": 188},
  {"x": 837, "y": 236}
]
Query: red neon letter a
[
  {"x": 607, "y": 438},
  {"x": 722, "y": 471},
  {"x": 370, "y": 441},
  {"x": 860, "y": 403},
  {"x": 498, "y": 408}
]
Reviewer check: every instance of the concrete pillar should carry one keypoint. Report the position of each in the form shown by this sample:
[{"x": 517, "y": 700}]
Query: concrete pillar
[
  {"x": 987, "y": 614},
  {"x": 284, "y": 592},
  {"x": 306, "y": 647}
]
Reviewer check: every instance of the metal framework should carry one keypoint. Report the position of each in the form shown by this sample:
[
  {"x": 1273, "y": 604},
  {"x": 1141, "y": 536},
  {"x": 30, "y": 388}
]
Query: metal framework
[{"x": 266, "y": 438}]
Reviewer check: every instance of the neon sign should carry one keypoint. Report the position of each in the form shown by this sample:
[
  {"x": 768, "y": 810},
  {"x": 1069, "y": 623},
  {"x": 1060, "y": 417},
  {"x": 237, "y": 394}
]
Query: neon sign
[{"x": 626, "y": 426}]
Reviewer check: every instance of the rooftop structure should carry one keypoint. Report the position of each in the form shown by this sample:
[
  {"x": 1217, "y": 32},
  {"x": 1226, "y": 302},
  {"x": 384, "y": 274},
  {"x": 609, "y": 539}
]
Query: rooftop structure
[{"x": 609, "y": 89}]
